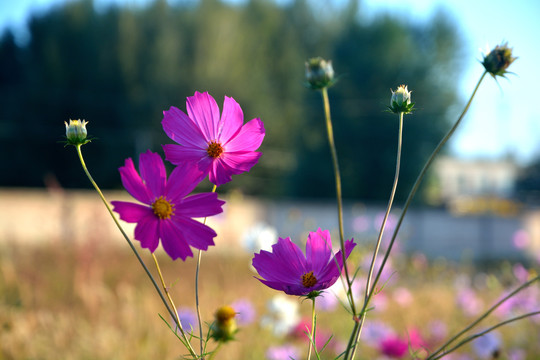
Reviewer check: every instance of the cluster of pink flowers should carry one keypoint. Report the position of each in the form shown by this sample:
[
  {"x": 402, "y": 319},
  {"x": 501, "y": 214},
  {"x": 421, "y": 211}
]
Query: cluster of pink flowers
[
  {"x": 208, "y": 144},
  {"x": 217, "y": 146}
]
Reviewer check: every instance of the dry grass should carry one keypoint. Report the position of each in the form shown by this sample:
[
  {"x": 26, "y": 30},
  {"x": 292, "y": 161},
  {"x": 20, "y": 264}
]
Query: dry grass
[{"x": 92, "y": 301}]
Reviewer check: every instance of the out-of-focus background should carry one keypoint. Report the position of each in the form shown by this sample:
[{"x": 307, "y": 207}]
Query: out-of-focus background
[{"x": 65, "y": 271}]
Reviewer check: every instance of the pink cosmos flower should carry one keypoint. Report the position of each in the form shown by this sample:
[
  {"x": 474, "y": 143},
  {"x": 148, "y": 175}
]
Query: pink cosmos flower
[
  {"x": 397, "y": 347},
  {"x": 167, "y": 213},
  {"x": 219, "y": 146},
  {"x": 287, "y": 269}
]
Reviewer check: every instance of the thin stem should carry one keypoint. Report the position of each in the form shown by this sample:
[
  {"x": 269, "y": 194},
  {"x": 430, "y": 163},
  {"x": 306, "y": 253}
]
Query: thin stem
[
  {"x": 419, "y": 180},
  {"x": 389, "y": 206},
  {"x": 79, "y": 153},
  {"x": 337, "y": 175},
  {"x": 408, "y": 203},
  {"x": 197, "y": 305},
  {"x": 383, "y": 225},
  {"x": 472, "y": 337},
  {"x": 169, "y": 296},
  {"x": 213, "y": 353},
  {"x": 483, "y": 316},
  {"x": 312, "y": 343}
]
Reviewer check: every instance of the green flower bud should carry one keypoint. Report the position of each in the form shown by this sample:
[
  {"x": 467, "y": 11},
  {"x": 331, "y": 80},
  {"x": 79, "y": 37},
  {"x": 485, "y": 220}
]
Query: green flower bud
[
  {"x": 319, "y": 73},
  {"x": 76, "y": 132},
  {"x": 498, "y": 60},
  {"x": 224, "y": 327},
  {"x": 400, "y": 102}
]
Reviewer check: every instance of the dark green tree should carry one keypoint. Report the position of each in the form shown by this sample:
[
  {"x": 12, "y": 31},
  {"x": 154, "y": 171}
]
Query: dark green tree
[{"x": 120, "y": 67}]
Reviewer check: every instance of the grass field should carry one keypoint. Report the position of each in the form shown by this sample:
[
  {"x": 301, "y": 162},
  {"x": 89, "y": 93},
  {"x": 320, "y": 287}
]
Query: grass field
[{"x": 92, "y": 301}]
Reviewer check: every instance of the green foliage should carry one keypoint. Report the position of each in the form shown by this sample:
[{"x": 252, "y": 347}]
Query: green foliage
[{"x": 119, "y": 68}]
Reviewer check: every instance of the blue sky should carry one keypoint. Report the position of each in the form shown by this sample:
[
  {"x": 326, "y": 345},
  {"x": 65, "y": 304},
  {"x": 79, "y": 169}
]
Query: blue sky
[{"x": 505, "y": 117}]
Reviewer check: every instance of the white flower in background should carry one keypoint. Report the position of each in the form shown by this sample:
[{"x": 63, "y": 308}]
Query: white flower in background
[
  {"x": 259, "y": 237},
  {"x": 282, "y": 315}
]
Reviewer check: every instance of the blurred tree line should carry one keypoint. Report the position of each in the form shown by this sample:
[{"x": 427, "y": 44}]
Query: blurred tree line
[{"x": 120, "y": 67}]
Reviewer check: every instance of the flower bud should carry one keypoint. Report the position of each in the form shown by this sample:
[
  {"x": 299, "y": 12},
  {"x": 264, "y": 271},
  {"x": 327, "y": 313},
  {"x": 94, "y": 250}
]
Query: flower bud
[
  {"x": 76, "y": 132},
  {"x": 400, "y": 102},
  {"x": 319, "y": 73},
  {"x": 498, "y": 60},
  {"x": 224, "y": 327}
]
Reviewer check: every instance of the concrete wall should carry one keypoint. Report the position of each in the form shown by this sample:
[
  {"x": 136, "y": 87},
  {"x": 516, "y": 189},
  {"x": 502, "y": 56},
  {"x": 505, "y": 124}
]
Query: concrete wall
[{"x": 41, "y": 216}]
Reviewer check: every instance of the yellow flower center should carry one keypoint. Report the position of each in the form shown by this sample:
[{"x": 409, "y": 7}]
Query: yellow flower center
[
  {"x": 214, "y": 149},
  {"x": 308, "y": 279},
  {"x": 162, "y": 208}
]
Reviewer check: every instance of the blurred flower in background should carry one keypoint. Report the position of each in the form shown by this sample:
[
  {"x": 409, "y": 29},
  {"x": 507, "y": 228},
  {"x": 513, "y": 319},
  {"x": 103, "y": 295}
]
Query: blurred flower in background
[
  {"x": 245, "y": 311},
  {"x": 282, "y": 316},
  {"x": 260, "y": 236}
]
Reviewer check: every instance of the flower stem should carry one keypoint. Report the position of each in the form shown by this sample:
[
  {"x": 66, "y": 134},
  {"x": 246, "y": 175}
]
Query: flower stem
[
  {"x": 419, "y": 180},
  {"x": 482, "y": 317},
  {"x": 356, "y": 329},
  {"x": 472, "y": 337},
  {"x": 312, "y": 343},
  {"x": 197, "y": 305},
  {"x": 337, "y": 175},
  {"x": 381, "y": 231},
  {"x": 169, "y": 296},
  {"x": 79, "y": 153}
]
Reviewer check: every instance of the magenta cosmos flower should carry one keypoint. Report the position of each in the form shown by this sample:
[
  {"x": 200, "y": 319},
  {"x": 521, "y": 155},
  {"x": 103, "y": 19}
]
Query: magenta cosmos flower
[
  {"x": 287, "y": 269},
  {"x": 167, "y": 213},
  {"x": 217, "y": 145}
]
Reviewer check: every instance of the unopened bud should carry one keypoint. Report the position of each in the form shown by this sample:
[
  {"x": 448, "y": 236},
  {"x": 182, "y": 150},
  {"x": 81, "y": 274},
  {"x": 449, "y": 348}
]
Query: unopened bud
[
  {"x": 498, "y": 60},
  {"x": 224, "y": 327},
  {"x": 319, "y": 73},
  {"x": 76, "y": 132},
  {"x": 400, "y": 102}
]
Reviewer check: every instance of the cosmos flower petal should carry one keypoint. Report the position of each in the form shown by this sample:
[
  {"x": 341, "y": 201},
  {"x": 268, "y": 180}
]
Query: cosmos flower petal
[
  {"x": 332, "y": 271},
  {"x": 174, "y": 241},
  {"x": 131, "y": 212},
  {"x": 220, "y": 174},
  {"x": 249, "y": 138},
  {"x": 318, "y": 249},
  {"x": 289, "y": 289},
  {"x": 178, "y": 154},
  {"x": 197, "y": 234},
  {"x": 181, "y": 129},
  {"x": 233, "y": 144},
  {"x": 153, "y": 172},
  {"x": 237, "y": 163},
  {"x": 183, "y": 179},
  {"x": 271, "y": 268},
  {"x": 200, "y": 205},
  {"x": 133, "y": 182},
  {"x": 168, "y": 219},
  {"x": 285, "y": 267},
  {"x": 147, "y": 232},
  {"x": 290, "y": 253},
  {"x": 231, "y": 120},
  {"x": 284, "y": 263},
  {"x": 204, "y": 111}
]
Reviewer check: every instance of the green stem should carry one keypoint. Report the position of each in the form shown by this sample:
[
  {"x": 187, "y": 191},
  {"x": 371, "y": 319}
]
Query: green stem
[
  {"x": 381, "y": 231},
  {"x": 312, "y": 343},
  {"x": 472, "y": 337},
  {"x": 197, "y": 305},
  {"x": 408, "y": 203},
  {"x": 213, "y": 353},
  {"x": 79, "y": 153},
  {"x": 176, "y": 317},
  {"x": 419, "y": 180},
  {"x": 337, "y": 175},
  {"x": 482, "y": 317}
]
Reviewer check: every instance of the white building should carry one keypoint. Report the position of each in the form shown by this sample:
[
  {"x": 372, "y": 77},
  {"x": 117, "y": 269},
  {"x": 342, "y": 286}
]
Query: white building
[{"x": 458, "y": 178}]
